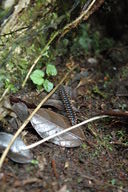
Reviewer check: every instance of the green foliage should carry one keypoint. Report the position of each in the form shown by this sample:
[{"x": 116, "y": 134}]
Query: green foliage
[
  {"x": 84, "y": 146},
  {"x": 3, "y": 13},
  {"x": 113, "y": 181},
  {"x": 123, "y": 106},
  {"x": 122, "y": 136},
  {"x": 89, "y": 42},
  {"x": 82, "y": 41},
  {"x": 62, "y": 47},
  {"x": 10, "y": 86},
  {"x": 20, "y": 49},
  {"x": 37, "y": 77},
  {"x": 51, "y": 70},
  {"x": 99, "y": 92},
  {"x": 34, "y": 162},
  {"x": 48, "y": 86}
]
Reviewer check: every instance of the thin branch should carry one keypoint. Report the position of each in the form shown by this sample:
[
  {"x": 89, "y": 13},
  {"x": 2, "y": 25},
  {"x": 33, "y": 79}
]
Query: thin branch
[
  {"x": 15, "y": 31},
  {"x": 78, "y": 19},
  {"x": 64, "y": 131},
  {"x": 115, "y": 113},
  {"x": 91, "y": 7},
  {"x": 119, "y": 143},
  {"x": 4, "y": 93},
  {"x": 28, "y": 119}
]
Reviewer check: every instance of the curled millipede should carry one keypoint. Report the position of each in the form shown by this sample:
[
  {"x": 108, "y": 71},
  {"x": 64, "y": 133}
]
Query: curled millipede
[{"x": 68, "y": 106}]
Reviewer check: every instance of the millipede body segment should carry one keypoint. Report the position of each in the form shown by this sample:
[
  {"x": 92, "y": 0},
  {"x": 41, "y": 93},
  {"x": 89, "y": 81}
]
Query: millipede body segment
[{"x": 68, "y": 106}]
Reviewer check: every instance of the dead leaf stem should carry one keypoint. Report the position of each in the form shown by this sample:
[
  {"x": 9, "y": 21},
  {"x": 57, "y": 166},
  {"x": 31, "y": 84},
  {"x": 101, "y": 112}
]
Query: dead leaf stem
[{"x": 5, "y": 93}]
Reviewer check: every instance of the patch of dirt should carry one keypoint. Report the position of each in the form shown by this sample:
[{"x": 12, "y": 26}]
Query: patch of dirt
[{"x": 101, "y": 164}]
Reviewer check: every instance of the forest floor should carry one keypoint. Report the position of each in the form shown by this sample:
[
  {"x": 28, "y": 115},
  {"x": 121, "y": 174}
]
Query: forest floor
[{"x": 100, "y": 164}]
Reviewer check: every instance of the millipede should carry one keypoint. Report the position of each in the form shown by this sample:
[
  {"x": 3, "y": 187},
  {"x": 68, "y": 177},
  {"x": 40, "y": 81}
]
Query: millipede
[{"x": 67, "y": 105}]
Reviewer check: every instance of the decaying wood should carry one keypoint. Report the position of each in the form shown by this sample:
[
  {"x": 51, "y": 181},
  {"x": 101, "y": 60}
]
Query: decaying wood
[{"x": 115, "y": 113}]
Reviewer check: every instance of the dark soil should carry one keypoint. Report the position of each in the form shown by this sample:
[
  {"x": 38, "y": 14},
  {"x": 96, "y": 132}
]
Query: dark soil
[{"x": 101, "y": 163}]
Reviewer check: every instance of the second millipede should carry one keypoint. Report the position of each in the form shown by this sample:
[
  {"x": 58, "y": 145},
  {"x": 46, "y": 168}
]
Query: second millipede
[{"x": 68, "y": 106}]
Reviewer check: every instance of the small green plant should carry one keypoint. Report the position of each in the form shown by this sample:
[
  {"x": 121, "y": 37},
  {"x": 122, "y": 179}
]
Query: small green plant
[
  {"x": 10, "y": 86},
  {"x": 39, "y": 79},
  {"x": 87, "y": 41},
  {"x": 106, "y": 142},
  {"x": 99, "y": 92},
  {"x": 34, "y": 162},
  {"x": 84, "y": 146},
  {"x": 122, "y": 136},
  {"x": 123, "y": 106},
  {"x": 51, "y": 70},
  {"x": 48, "y": 86},
  {"x": 82, "y": 42},
  {"x": 113, "y": 181}
]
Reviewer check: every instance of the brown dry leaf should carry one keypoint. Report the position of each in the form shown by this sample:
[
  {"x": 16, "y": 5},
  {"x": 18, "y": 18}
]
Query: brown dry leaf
[
  {"x": 47, "y": 123},
  {"x": 5, "y": 108},
  {"x": 21, "y": 111},
  {"x": 19, "y": 114},
  {"x": 71, "y": 63},
  {"x": 32, "y": 99}
]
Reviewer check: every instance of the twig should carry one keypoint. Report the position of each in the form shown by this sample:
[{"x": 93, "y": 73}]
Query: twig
[
  {"x": 119, "y": 143},
  {"x": 115, "y": 113},
  {"x": 26, "y": 182},
  {"x": 5, "y": 92},
  {"x": 28, "y": 119},
  {"x": 11, "y": 32},
  {"x": 54, "y": 168},
  {"x": 39, "y": 57},
  {"x": 64, "y": 131},
  {"x": 84, "y": 15}
]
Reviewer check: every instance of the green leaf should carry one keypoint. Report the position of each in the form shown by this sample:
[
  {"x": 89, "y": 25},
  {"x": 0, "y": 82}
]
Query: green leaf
[
  {"x": 34, "y": 162},
  {"x": 48, "y": 86},
  {"x": 51, "y": 70},
  {"x": 37, "y": 77},
  {"x": 113, "y": 181}
]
